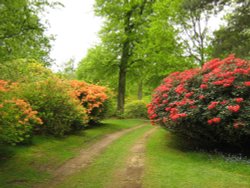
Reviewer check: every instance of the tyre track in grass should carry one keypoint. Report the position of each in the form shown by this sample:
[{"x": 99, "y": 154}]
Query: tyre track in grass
[
  {"x": 131, "y": 175},
  {"x": 85, "y": 157}
]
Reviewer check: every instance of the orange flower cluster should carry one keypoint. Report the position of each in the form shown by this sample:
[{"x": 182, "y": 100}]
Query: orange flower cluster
[
  {"x": 74, "y": 103},
  {"x": 17, "y": 120},
  {"x": 3, "y": 86},
  {"x": 26, "y": 114},
  {"x": 91, "y": 96}
]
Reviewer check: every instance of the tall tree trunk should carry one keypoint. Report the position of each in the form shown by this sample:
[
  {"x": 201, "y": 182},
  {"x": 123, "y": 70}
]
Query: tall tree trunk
[
  {"x": 121, "y": 90},
  {"x": 140, "y": 91},
  {"x": 122, "y": 77},
  {"x": 124, "y": 63}
]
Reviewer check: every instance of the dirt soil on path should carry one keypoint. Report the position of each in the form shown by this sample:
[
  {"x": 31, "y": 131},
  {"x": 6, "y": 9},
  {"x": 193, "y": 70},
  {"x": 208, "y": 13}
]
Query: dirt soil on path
[
  {"x": 85, "y": 158},
  {"x": 131, "y": 175}
]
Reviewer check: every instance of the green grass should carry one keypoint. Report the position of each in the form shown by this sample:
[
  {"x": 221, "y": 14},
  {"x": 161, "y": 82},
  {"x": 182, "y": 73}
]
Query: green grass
[
  {"x": 24, "y": 166},
  {"x": 101, "y": 172},
  {"x": 167, "y": 166}
]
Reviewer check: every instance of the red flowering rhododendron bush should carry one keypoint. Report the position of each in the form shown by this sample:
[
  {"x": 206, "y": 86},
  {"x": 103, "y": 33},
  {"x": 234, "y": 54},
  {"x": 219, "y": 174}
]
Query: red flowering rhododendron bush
[
  {"x": 93, "y": 98},
  {"x": 17, "y": 118},
  {"x": 210, "y": 104}
]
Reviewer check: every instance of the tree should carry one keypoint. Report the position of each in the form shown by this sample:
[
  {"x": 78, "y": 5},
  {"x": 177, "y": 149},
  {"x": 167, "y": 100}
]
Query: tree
[
  {"x": 68, "y": 70},
  {"x": 99, "y": 66},
  {"x": 22, "y": 33},
  {"x": 159, "y": 51},
  {"x": 234, "y": 37},
  {"x": 193, "y": 23},
  {"x": 139, "y": 45},
  {"x": 124, "y": 20}
]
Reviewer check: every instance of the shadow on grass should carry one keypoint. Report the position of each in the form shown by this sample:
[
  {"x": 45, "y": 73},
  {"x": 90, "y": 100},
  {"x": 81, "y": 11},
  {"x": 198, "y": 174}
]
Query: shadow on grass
[
  {"x": 6, "y": 152},
  {"x": 184, "y": 144}
]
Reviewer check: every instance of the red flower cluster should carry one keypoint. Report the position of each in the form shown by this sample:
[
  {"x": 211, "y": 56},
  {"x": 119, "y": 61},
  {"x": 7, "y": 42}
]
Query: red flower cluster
[
  {"x": 201, "y": 97},
  {"x": 180, "y": 89},
  {"x": 224, "y": 102},
  {"x": 247, "y": 84},
  {"x": 212, "y": 105},
  {"x": 234, "y": 109},
  {"x": 215, "y": 120},
  {"x": 203, "y": 86},
  {"x": 225, "y": 72},
  {"x": 174, "y": 82},
  {"x": 225, "y": 82},
  {"x": 189, "y": 94},
  {"x": 239, "y": 100},
  {"x": 174, "y": 114}
]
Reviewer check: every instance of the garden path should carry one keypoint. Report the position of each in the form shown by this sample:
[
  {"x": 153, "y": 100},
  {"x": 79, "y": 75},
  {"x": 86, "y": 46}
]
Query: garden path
[
  {"x": 131, "y": 175},
  {"x": 85, "y": 158}
]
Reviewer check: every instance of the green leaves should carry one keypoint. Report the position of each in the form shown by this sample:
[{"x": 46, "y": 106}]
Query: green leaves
[
  {"x": 22, "y": 32},
  {"x": 138, "y": 37},
  {"x": 235, "y": 36}
]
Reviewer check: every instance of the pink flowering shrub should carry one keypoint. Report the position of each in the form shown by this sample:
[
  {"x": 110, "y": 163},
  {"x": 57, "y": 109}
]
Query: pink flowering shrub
[{"x": 209, "y": 104}]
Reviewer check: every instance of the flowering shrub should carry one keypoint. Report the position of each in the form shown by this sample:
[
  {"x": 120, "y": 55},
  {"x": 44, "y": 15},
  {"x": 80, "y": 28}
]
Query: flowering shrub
[
  {"x": 17, "y": 118},
  {"x": 46, "y": 105},
  {"x": 210, "y": 104},
  {"x": 92, "y": 97},
  {"x": 59, "y": 112}
]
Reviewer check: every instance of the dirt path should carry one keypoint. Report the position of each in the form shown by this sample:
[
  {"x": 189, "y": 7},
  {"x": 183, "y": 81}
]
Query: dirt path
[
  {"x": 85, "y": 157},
  {"x": 131, "y": 175}
]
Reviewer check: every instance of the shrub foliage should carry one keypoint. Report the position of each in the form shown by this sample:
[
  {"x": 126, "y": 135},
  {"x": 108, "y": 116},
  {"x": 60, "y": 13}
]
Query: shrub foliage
[
  {"x": 49, "y": 105},
  {"x": 59, "y": 112},
  {"x": 209, "y": 104},
  {"x": 92, "y": 97},
  {"x": 136, "y": 109},
  {"x": 17, "y": 118}
]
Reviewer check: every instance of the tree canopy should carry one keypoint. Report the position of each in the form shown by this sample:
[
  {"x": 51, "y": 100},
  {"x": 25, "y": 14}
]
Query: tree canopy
[
  {"x": 138, "y": 44},
  {"x": 22, "y": 32}
]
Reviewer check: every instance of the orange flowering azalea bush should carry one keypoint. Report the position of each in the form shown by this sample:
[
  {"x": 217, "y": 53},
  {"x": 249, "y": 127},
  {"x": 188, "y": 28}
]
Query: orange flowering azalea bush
[
  {"x": 47, "y": 105},
  {"x": 210, "y": 105},
  {"x": 93, "y": 98},
  {"x": 17, "y": 118},
  {"x": 59, "y": 112}
]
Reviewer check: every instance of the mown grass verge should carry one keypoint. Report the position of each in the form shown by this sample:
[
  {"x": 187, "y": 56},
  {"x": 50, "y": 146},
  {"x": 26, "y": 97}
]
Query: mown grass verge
[
  {"x": 27, "y": 165},
  {"x": 168, "y": 166}
]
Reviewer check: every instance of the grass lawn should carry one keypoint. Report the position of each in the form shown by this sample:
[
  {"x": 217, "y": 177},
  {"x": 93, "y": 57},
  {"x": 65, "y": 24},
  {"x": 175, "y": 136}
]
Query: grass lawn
[
  {"x": 167, "y": 166},
  {"x": 24, "y": 166}
]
